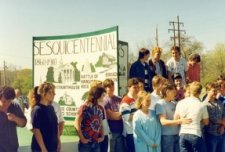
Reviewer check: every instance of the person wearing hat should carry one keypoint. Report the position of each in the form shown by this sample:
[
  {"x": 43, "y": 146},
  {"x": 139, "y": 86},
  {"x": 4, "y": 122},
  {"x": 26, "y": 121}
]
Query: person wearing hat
[
  {"x": 141, "y": 69},
  {"x": 177, "y": 79},
  {"x": 11, "y": 116}
]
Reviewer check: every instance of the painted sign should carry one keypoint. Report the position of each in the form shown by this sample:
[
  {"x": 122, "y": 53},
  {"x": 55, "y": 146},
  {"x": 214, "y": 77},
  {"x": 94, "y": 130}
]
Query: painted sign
[
  {"x": 122, "y": 67},
  {"x": 72, "y": 62}
]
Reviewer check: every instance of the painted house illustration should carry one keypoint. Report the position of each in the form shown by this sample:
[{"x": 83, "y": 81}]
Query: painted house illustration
[
  {"x": 105, "y": 60},
  {"x": 66, "y": 100},
  {"x": 64, "y": 73}
]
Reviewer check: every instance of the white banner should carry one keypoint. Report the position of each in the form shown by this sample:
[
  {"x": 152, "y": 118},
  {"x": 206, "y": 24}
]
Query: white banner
[{"x": 72, "y": 62}]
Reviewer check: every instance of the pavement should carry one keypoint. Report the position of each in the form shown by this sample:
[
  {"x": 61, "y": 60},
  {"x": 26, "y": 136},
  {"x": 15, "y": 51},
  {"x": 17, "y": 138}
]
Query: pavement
[{"x": 66, "y": 147}]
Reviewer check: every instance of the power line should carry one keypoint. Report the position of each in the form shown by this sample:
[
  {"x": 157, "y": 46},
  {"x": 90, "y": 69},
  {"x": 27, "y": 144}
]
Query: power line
[
  {"x": 176, "y": 31},
  {"x": 157, "y": 36}
]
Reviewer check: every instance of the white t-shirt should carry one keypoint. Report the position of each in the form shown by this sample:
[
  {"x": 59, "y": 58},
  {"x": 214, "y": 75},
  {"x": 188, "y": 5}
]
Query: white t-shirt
[
  {"x": 154, "y": 99},
  {"x": 104, "y": 121},
  {"x": 191, "y": 107},
  {"x": 58, "y": 111},
  {"x": 126, "y": 109},
  {"x": 177, "y": 67},
  {"x": 158, "y": 69}
]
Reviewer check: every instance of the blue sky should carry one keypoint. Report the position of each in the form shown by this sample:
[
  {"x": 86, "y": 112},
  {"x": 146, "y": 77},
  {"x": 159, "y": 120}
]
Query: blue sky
[{"x": 20, "y": 20}]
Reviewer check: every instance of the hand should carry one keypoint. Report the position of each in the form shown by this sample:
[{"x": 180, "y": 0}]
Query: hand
[
  {"x": 11, "y": 117},
  {"x": 84, "y": 140},
  {"x": 220, "y": 130},
  {"x": 44, "y": 150},
  {"x": 154, "y": 146},
  {"x": 101, "y": 139},
  {"x": 59, "y": 146},
  {"x": 186, "y": 121}
]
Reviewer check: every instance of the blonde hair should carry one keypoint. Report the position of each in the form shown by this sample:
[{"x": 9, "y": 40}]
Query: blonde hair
[
  {"x": 142, "y": 95},
  {"x": 187, "y": 90},
  {"x": 45, "y": 87},
  {"x": 195, "y": 88},
  {"x": 96, "y": 83},
  {"x": 157, "y": 81},
  {"x": 34, "y": 95},
  {"x": 167, "y": 87},
  {"x": 156, "y": 50}
]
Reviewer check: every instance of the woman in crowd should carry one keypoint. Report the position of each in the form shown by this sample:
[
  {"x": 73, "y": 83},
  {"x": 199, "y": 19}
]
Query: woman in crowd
[
  {"x": 44, "y": 120},
  {"x": 165, "y": 109},
  {"x": 88, "y": 121},
  {"x": 147, "y": 130},
  {"x": 104, "y": 144}
]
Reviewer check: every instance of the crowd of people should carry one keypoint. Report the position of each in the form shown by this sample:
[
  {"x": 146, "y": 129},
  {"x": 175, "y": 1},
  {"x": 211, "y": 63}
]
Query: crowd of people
[
  {"x": 44, "y": 118},
  {"x": 162, "y": 111}
]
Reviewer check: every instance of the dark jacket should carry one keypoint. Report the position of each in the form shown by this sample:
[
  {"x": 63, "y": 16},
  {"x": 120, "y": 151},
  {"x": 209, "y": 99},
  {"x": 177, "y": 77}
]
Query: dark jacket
[
  {"x": 137, "y": 70},
  {"x": 162, "y": 67}
]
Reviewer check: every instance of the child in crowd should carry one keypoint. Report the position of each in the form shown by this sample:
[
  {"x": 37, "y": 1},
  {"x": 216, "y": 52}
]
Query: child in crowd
[
  {"x": 221, "y": 93},
  {"x": 194, "y": 69},
  {"x": 165, "y": 109},
  {"x": 104, "y": 144},
  {"x": 221, "y": 98},
  {"x": 215, "y": 129},
  {"x": 88, "y": 122},
  {"x": 112, "y": 104},
  {"x": 44, "y": 120},
  {"x": 147, "y": 130},
  {"x": 191, "y": 107},
  {"x": 220, "y": 79},
  {"x": 177, "y": 79},
  {"x": 187, "y": 90},
  {"x": 127, "y": 109},
  {"x": 141, "y": 69},
  {"x": 156, "y": 64},
  {"x": 141, "y": 84},
  {"x": 157, "y": 83}
]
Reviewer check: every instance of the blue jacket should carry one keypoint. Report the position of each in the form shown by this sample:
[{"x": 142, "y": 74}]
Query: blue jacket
[{"x": 137, "y": 70}]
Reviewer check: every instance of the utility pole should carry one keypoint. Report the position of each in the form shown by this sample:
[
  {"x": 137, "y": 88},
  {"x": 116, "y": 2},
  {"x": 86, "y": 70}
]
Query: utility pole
[
  {"x": 176, "y": 31},
  {"x": 157, "y": 36}
]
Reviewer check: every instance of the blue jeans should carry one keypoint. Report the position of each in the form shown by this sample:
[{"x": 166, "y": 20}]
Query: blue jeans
[
  {"x": 191, "y": 143},
  {"x": 170, "y": 143},
  {"x": 130, "y": 143},
  {"x": 214, "y": 143},
  {"x": 222, "y": 146},
  {"x": 89, "y": 147},
  {"x": 104, "y": 144},
  {"x": 117, "y": 143}
]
